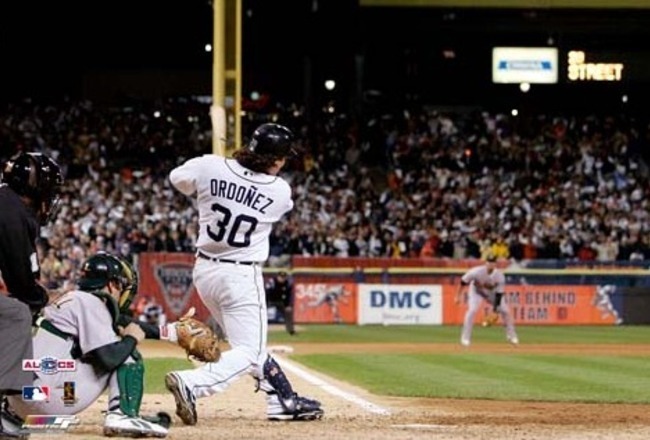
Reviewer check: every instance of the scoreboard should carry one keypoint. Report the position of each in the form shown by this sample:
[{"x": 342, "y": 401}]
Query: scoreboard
[{"x": 571, "y": 65}]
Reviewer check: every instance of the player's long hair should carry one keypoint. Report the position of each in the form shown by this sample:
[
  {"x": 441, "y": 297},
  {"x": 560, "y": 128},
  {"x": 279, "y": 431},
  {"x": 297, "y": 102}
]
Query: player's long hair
[{"x": 259, "y": 163}]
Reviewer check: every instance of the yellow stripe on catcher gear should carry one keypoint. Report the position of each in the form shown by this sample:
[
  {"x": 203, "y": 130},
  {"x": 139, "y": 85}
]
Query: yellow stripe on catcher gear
[{"x": 197, "y": 339}]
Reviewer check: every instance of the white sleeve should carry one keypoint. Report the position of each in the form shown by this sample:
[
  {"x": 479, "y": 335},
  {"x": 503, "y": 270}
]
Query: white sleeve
[
  {"x": 290, "y": 203},
  {"x": 183, "y": 177},
  {"x": 468, "y": 277}
]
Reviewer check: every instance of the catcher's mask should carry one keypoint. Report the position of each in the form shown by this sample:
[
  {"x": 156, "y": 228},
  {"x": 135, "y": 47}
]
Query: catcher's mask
[
  {"x": 37, "y": 177},
  {"x": 102, "y": 268}
]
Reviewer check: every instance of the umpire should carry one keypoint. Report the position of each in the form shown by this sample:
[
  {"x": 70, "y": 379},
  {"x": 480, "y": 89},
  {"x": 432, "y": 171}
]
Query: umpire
[
  {"x": 279, "y": 292},
  {"x": 28, "y": 195}
]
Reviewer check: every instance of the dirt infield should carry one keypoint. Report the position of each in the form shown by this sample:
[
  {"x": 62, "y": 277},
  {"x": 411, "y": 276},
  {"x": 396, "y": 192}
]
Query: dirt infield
[{"x": 239, "y": 413}]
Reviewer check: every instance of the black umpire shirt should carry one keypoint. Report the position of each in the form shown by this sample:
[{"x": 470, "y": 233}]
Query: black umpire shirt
[
  {"x": 19, "y": 265},
  {"x": 280, "y": 292}
]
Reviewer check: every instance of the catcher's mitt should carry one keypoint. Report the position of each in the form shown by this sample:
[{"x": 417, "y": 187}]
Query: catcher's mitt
[
  {"x": 491, "y": 319},
  {"x": 197, "y": 338}
]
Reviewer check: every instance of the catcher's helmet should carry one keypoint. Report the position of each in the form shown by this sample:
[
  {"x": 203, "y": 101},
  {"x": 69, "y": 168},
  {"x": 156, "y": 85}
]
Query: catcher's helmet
[
  {"x": 37, "y": 177},
  {"x": 272, "y": 140},
  {"x": 102, "y": 268}
]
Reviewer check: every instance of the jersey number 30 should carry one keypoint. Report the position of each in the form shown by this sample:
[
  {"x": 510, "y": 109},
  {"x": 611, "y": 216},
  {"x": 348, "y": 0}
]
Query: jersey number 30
[{"x": 243, "y": 225}]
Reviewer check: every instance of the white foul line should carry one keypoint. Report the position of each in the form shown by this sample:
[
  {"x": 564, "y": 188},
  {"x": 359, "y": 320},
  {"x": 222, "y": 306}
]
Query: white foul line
[{"x": 368, "y": 406}]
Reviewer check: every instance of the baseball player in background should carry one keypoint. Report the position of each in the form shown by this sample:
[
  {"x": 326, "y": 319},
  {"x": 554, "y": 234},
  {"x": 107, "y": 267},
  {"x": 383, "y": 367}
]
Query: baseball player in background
[
  {"x": 486, "y": 283},
  {"x": 238, "y": 201},
  {"x": 28, "y": 195},
  {"x": 83, "y": 347}
]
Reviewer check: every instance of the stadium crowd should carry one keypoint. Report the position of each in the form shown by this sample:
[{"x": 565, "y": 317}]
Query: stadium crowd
[{"x": 411, "y": 184}]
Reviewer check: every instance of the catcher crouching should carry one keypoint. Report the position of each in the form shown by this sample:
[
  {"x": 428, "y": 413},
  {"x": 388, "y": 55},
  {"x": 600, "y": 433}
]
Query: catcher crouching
[{"x": 85, "y": 337}]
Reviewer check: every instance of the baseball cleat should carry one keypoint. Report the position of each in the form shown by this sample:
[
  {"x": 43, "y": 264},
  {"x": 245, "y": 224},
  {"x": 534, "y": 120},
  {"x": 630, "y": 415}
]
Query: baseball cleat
[
  {"x": 308, "y": 409},
  {"x": 513, "y": 340},
  {"x": 118, "y": 424},
  {"x": 185, "y": 400},
  {"x": 161, "y": 418},
  {"x": 464, "y": 342},
  {"x": 305, "y": 409},
  {"x": 301, "y": 416}
]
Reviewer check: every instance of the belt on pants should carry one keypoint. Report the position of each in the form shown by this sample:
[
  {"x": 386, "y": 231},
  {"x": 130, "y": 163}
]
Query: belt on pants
[{"x": 225, "y": 260}]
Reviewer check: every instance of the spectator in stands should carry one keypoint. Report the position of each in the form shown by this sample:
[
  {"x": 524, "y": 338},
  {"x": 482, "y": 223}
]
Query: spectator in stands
[
  {"x": 431, "y": 244},
  {"x": 545, "y": 190},
  {"x": 606, "y": 248},
  {"x": 499, "y": 248}
]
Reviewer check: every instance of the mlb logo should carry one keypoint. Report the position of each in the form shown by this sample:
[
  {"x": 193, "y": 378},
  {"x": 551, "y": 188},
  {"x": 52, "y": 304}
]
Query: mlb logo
[{"x": 36, "y": 394}]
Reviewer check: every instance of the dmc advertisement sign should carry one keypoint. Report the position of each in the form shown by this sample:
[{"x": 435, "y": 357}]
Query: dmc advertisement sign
[{"x": 400, "y": 304}]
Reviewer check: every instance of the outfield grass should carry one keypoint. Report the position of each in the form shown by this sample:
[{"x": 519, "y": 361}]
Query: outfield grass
[
  {"x": 577, "y": 377},
  {"x": 451, "y": 334},
  {"x": 515, "y": 375},
  {"x": 492, "y": 376},
  {"x": 155, "y": 370}
]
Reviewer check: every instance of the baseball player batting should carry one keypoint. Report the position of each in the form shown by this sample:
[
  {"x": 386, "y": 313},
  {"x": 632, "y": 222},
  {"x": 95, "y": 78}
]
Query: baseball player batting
[
  {"x": 238, "y": 200},
  {"x": 486, "y": 283}
]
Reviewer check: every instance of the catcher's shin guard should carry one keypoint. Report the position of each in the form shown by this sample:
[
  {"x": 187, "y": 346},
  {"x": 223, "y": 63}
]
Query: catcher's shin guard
[
  {"x": 282, "y": 402},
  {"x": 130, "y": 378}
]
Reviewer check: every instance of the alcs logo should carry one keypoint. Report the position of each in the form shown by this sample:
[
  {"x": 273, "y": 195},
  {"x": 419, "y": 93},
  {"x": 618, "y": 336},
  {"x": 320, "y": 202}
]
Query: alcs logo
[{"x": 49, "y": 365}]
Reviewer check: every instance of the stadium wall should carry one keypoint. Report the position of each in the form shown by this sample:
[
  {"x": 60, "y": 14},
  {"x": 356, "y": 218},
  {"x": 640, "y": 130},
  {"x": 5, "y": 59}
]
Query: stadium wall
[{"x": 421, "y": 291}]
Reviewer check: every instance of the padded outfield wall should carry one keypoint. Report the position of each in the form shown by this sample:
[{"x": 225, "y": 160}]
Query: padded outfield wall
[{"x": 422, "y": 291}]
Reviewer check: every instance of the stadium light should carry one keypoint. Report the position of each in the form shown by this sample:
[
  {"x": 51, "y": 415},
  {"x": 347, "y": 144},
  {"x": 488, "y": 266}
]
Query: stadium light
[{"x": 330, "y": 84}]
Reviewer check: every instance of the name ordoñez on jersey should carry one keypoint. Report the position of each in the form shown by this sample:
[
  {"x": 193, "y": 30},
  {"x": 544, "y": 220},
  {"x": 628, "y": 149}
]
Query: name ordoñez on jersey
[{"x": 246, "y": 195}]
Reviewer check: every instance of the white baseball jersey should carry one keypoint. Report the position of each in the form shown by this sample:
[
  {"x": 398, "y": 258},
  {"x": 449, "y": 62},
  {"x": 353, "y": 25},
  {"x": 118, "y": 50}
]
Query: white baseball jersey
[
  {"x": 483, "y": 283},
  {"x": 87, "y": 318},
  {"x": 484, "y": 286},
  {"x": 237, "y": 207}
]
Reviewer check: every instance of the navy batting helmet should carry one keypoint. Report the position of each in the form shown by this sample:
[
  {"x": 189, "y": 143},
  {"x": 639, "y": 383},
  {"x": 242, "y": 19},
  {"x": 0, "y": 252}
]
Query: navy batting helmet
[
  {"x": 37, "y": 177},
  {"x": 272, "y": 140}
]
